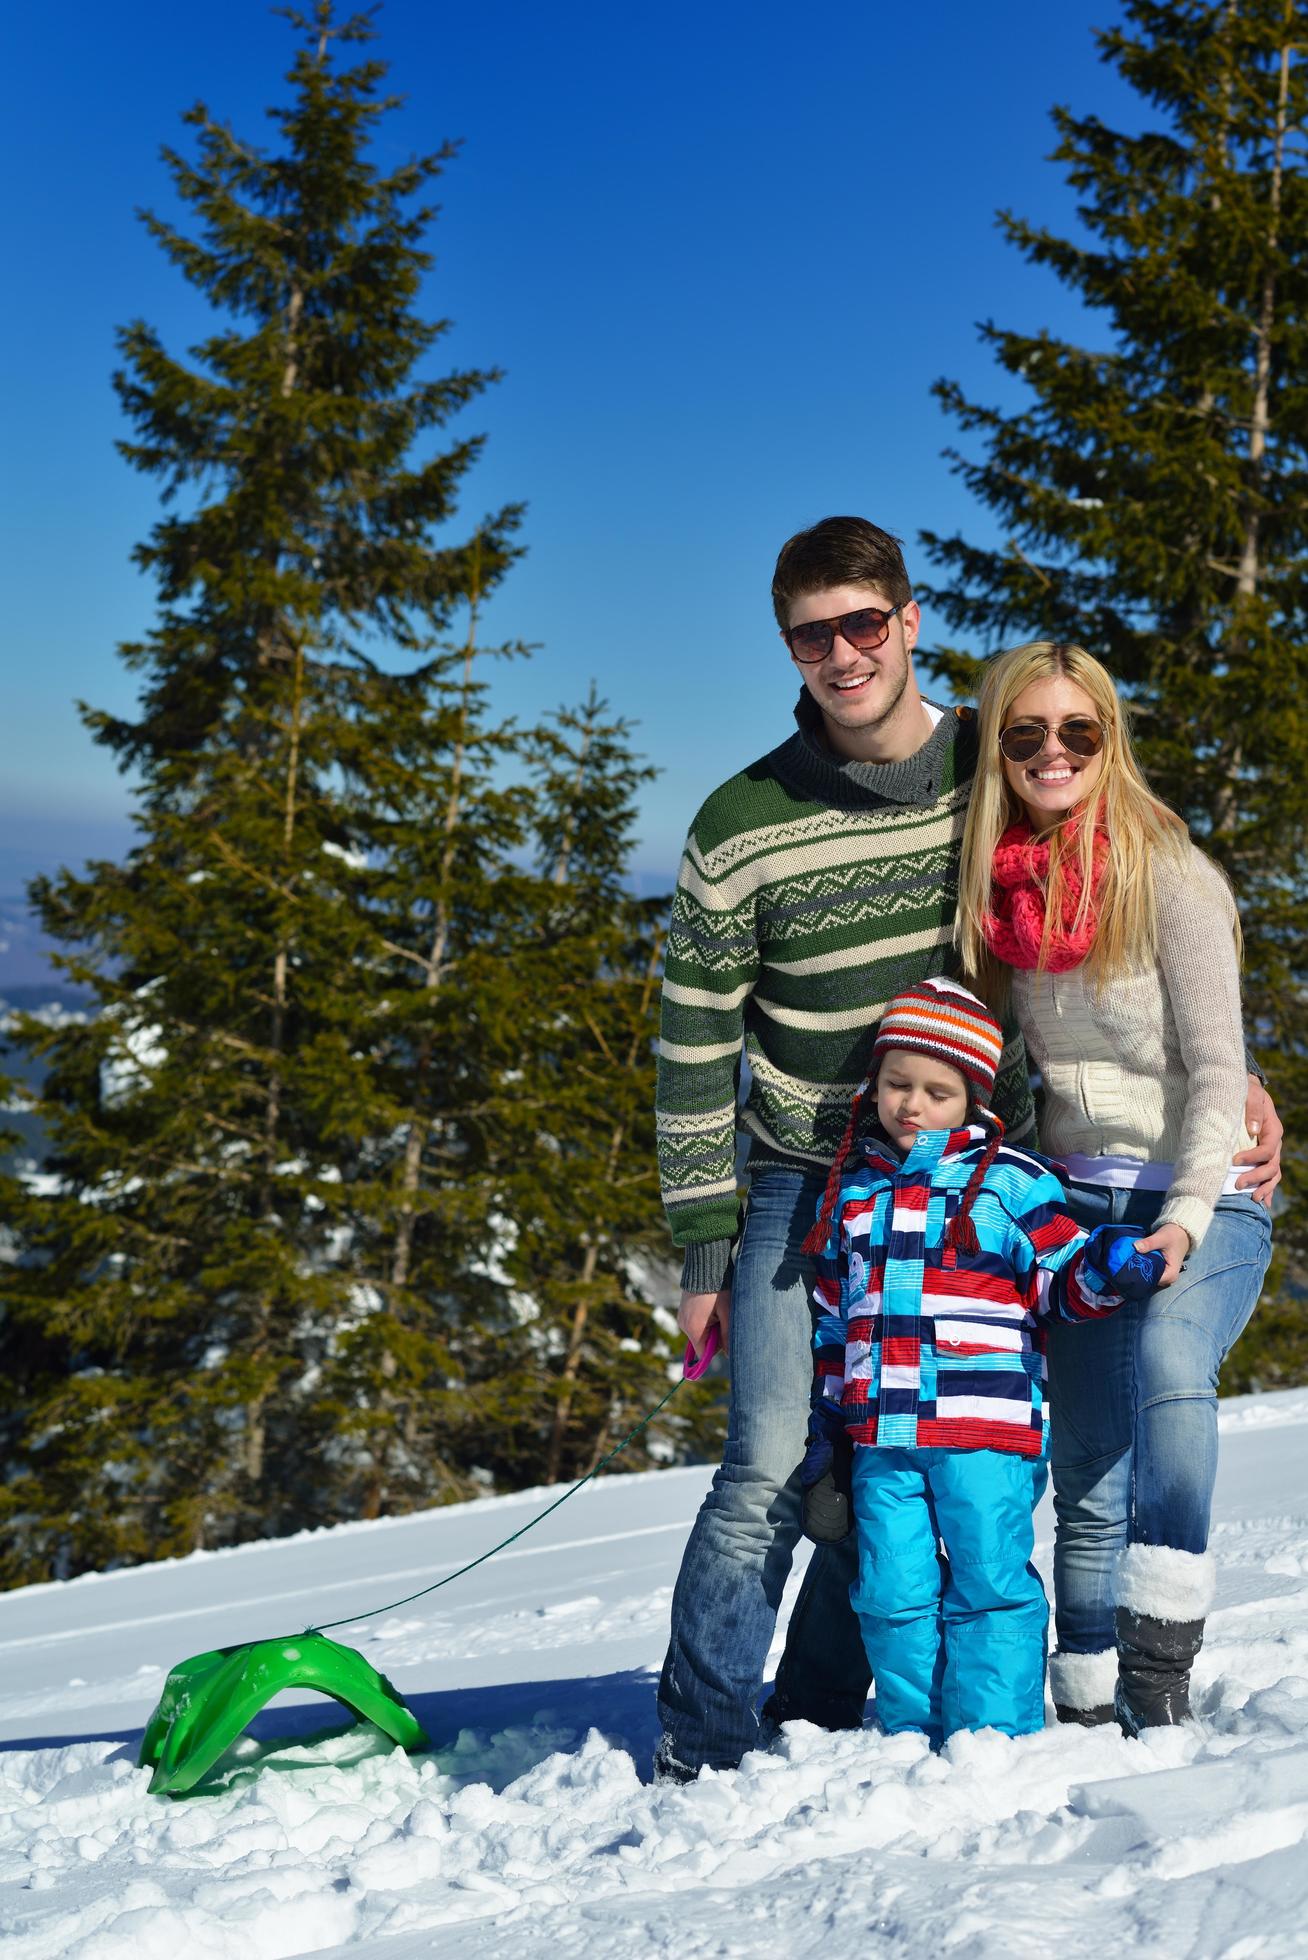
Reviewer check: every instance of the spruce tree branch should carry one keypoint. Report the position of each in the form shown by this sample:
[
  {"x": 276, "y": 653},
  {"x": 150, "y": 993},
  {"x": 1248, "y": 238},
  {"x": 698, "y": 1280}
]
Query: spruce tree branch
[
  {"x": 225, "y": 1124},
  {"x": 1019, "y": 554},
  {"x": 133, "y": 1227},
  {"x": 221, "y": 1036},
  {"x": 595, "y": 1029},
  {"x": 188, "y": 1168},
  {"x": 652, "y": 969},
  {"x": 421, "y": 960},
  {"x": 633, "y": 1179},
  {"x": 252, "y": 871}
]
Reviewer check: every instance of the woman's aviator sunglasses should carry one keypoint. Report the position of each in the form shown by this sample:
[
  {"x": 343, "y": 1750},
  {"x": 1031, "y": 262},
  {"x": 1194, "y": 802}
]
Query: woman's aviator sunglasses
[
  {"x": 1023, "y": 740},
  {"x": 864, "y": 629}
]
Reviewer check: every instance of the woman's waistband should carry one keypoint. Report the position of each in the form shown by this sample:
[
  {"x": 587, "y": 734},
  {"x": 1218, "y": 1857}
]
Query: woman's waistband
[{"x": 1132, "y": 1173}]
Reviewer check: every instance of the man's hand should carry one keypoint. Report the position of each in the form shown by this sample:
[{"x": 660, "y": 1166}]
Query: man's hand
[
  {"x": 698, "y": 1312},
  {"x": 1264, "y": 1160}
]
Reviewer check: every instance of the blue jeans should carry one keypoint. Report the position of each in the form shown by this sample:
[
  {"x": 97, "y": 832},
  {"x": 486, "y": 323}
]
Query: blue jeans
[
  {"x": 739, "y": 1555},
  {"x": 1133, "y": 1406},
  {"x": 959, "y": 1642}
]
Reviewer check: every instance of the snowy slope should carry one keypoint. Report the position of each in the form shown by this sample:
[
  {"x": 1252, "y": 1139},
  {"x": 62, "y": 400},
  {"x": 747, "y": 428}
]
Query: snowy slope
[{"x": 529, "y": 1828}]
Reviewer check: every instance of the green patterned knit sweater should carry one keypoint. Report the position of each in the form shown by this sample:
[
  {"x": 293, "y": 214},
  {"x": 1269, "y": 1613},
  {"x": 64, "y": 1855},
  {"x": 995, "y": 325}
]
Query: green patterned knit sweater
[{"x": 812, "y": 889}]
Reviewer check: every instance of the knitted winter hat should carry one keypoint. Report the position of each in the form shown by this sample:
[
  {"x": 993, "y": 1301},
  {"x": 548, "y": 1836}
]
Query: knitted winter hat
[
  {"x": 941, "y": 1019},
  {"x": 938, "y": 1018}
]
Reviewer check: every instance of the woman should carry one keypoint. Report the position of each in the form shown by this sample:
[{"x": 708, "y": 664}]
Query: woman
[{"x": 1083, "y": 894}]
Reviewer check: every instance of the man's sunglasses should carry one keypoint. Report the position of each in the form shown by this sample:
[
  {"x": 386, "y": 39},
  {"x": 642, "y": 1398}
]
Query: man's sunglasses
[
  {"x": 1023, "y": 740},
  {"x": 864, "y": 629}
]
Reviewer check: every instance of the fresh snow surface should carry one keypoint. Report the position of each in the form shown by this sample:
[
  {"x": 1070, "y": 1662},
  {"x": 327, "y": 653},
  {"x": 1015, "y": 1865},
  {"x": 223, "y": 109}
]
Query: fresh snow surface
[{"x": 531, "y": 1828}]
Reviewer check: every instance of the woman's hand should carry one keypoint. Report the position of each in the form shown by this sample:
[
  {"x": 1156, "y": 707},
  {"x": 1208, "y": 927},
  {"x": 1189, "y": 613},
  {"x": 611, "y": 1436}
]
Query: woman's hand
[
  {"x": 1173, "y": 1241},
  {"x": 1266, "y": 1128},
  {"x": 699, "y": 1311}
]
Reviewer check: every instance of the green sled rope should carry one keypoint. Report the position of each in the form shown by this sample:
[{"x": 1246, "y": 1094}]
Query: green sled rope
[{"x": 208, "y": 1699}]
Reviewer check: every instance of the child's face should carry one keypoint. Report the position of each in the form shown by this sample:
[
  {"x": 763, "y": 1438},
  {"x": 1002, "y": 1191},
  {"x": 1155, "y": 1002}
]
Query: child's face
[{"x": 916, "y": 1092}]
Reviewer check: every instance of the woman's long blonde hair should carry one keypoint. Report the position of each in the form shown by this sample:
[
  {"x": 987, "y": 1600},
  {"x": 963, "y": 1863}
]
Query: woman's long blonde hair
[{"x": 1135, "y": 823}]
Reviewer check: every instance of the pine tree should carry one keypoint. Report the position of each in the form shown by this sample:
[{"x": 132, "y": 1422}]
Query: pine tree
[
  {"x": 591, "y": 1357},
  {"x": 299, "y": 428},
  {"x": 239, "y": 1208},
  {"x": 1152, "y": 491},
  {"x": 436, "y": 840}
]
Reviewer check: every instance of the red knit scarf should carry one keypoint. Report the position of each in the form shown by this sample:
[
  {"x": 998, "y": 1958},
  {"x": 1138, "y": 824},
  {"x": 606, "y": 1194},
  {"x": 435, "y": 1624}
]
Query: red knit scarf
[{"x": 1015, "y": 927}]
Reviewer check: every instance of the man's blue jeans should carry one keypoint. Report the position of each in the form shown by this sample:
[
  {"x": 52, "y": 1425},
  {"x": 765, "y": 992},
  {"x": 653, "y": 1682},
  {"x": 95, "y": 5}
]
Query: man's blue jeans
[
  {"x": 1147, "y": 1372},
  {"x": 741, "y": 1548}
]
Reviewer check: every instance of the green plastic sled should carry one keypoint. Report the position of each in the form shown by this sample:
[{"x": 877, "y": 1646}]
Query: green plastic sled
[{"x": 208, "y": 1700}]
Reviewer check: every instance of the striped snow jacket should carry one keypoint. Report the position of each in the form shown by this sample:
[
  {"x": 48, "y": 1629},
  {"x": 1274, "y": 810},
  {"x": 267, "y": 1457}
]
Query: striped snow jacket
[{"x": 923, "y": 1346}]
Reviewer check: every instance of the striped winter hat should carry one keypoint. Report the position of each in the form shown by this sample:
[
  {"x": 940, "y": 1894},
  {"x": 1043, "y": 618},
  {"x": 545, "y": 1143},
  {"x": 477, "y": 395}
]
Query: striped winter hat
[{"x": 940, "y": 1018}]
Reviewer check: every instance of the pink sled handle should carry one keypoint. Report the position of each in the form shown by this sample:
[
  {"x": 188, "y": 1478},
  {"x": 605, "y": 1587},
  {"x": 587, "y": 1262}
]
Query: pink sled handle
[{"x": 691, "y": 1370}]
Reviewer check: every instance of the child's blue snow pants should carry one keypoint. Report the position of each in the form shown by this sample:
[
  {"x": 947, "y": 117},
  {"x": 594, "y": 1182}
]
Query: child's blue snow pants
[{"x": 958, "y": 1645}]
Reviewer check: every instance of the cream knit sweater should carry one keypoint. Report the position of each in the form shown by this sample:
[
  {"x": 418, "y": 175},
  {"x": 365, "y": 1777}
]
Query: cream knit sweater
[{"x": 1153, "y": 1067}]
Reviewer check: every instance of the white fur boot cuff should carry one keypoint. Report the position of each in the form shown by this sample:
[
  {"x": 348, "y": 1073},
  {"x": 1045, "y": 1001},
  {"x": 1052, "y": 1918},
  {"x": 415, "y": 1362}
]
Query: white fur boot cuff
[
  {"x": 1166, "y": 1584},
  {"x": 1083, "y": 1680}
]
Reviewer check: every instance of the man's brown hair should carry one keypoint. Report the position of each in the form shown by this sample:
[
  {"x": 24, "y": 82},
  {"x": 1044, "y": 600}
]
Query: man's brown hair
[{"x": 838, "y": 551}]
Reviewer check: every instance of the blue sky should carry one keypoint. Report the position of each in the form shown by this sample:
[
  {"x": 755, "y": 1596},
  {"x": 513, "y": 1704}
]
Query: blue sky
[{"x": 721, "y": 251}]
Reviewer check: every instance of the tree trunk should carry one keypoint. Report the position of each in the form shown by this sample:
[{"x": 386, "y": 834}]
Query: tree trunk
[
  {"x": 420, "y": 1127},
  {"x": 572, "y": 1360},
  {"x": 1247, "y": 582},
  {"x": 1226, "y": 802},
  {"x": 560, "y": 872},
  {"x": 255, "y": 1431}
]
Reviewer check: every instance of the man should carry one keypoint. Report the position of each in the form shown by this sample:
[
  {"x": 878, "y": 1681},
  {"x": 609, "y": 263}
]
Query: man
[{"x": 815, "y": 885}]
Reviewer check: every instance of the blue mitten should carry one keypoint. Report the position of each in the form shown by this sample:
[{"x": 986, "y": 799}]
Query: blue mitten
[
  {"x": 825, "y": 1427},
  {"x": 1111, "y": 1264},
  {"x": 827, "y": 1476}
]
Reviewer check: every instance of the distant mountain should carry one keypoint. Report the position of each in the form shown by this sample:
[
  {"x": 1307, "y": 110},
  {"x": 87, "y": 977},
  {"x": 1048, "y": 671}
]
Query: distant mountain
[
  {"x": 31, "y": 985},
  {"x": 24, "y": 951}
]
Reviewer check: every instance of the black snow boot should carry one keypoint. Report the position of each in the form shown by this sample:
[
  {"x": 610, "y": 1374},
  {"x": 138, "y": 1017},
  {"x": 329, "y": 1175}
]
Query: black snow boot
[
  {"x": 668, "y": 1768},
  {"x": 1083, "y": 1687},
  {"x": 1163, "y": 1598},
  {"x": 1154, "y": 1658},
  {"x": 1097, "y": 1717}
]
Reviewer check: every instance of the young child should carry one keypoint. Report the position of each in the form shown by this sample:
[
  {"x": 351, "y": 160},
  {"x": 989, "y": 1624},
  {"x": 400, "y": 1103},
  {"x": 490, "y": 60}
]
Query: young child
[{"x": 940, "y": 1252}]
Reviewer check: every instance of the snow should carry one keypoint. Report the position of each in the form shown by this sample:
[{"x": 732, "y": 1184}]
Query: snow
[
  {"x": 352, "y": 860},
  {"x": 530, "y": 1826}
]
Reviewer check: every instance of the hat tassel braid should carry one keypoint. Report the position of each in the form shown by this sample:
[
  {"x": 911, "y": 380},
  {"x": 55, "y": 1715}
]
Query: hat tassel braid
[
  {"x": 961, "y": 1235},
  {"x": 817, "y": 1237}
]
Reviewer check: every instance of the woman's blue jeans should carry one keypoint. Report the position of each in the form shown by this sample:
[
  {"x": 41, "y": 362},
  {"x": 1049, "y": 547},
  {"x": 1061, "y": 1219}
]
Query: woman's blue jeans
[
  {"x": 1133, "y": 1406},
  {"x": 739, "y": 1555}
]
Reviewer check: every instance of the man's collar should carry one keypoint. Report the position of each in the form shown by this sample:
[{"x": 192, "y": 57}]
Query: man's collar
[{"x": 914, "y": 781}]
